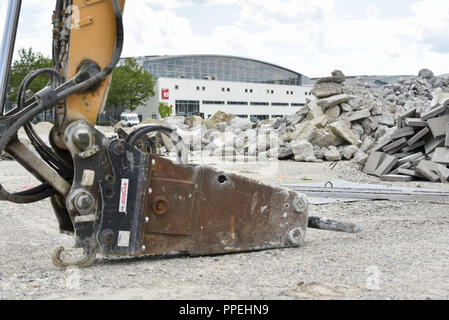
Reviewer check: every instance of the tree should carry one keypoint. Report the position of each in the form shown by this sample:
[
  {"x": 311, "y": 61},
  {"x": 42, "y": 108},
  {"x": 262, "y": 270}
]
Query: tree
[
  {"x": 131, "y": 86},
  {"x": 165, "y": 110},
  {"x": 28, "y": 61}
]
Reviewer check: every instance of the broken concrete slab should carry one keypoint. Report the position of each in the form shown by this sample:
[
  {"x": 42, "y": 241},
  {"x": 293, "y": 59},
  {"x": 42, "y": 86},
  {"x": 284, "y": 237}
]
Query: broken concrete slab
[
  {"x": 438, "y": 126},
  {"x": 408, "y": 114},
  {"x": 433, "y": 113},
  {"x": 403, "y": 132},
  {"x": 415, "y": 122},
  {"x": 441, "y": 155},
  {"x": 443, "y": 172},
  {"x": 303, "y": 151},
  {"x": 402, "y": 154},
  {"x": 374, "y": 159},
  {"x": 359, "y": 115},
  {"x": 432, "y": 144},
  {"x": 412, "y": 158},
  {"x": 407, "y": 172},
  {"x": 320, "y": 122},
  {"x": 418, "y": 136},
  {"x": 315, "y": 110},
  {"x": 387, "y": 164},
  {"x": 329, "y": 102},
  {"x": 340, "y": 129},
  {"x": 396, "y": 178},
  {"x": 395, "y": 144},
  {"x": 414, "y": 146},
  {"x": 416, "y": 162},
  {"x": 381, "y": 144},
  {"x": 428, "y": 169},
  {"x": 328, "y": 89},
  {"x": 333, "y": 112}
]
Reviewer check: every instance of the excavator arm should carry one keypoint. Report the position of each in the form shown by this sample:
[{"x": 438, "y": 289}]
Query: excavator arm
[{"x": 114, "y": 198}]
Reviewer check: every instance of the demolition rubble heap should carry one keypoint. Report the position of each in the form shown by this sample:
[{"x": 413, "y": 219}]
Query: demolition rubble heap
[
  {"x": 418, "y": 148},
  {"x": 398, "y": 132}
]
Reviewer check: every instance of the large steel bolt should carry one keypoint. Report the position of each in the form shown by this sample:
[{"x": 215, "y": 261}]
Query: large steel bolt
[
  {"x": 296, "y": 236},
  {"x": 300, "y": 204},
  {"x": 84, "y": 203},
  {"x": 82, "y": 138}
]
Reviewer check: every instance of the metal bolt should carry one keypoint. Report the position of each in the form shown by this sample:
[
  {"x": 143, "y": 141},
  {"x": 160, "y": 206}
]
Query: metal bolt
[
  {"x": 300, "y": 204},
  {"x": 296, "y": 236},
  {"x": 84, "y": 202},
  {"x": 81, "y": 138}
]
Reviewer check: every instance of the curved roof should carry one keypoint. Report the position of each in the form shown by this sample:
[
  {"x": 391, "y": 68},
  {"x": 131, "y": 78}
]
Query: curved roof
[{"x": 220, "y": 67}]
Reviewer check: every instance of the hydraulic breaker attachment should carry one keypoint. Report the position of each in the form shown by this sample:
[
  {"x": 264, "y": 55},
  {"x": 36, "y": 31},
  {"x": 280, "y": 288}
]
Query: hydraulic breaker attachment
[{"x": 127, "y": 203}]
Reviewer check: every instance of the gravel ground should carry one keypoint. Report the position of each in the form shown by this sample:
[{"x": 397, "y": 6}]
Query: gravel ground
[{"x": 401, "y": 254}]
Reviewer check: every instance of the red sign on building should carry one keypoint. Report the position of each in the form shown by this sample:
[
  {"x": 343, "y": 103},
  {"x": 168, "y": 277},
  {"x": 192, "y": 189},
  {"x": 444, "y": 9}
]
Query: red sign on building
[{"x": 165, "y": 94}]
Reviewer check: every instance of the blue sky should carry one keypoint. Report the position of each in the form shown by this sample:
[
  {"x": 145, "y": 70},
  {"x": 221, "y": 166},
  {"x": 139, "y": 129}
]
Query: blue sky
[{"x": 312, "y": 37}]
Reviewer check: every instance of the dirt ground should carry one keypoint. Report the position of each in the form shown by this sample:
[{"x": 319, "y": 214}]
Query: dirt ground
[{"x": 402, "y": 253}]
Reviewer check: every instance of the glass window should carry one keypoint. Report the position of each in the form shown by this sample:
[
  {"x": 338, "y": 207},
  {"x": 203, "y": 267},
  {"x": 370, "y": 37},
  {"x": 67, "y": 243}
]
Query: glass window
[
  {"x": 221, "y": 68},
  {"x": 187, "y": 107}
]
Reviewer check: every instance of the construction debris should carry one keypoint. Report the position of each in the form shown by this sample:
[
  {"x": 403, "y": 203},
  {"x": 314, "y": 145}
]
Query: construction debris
[{"x": 418, "y": 149}]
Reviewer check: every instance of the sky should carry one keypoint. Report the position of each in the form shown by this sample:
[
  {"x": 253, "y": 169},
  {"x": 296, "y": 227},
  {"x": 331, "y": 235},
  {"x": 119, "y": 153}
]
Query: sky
[{"x": 313, "y": 37}]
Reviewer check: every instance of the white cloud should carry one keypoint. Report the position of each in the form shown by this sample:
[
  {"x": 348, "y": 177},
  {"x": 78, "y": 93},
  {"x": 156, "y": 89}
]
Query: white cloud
[{"x": 307, "y": 36}]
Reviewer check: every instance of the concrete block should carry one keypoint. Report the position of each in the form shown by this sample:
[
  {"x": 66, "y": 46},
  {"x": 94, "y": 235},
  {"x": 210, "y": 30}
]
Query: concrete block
[
  {"x": 433, "y": 113},
  {"x": 402, "y": 154},
  {"x": 438, "y": 126},
  {"x": 396, "y": 150},
  {"x": 432, "y": 144},
  {"x": 428, "y": 170},
  {"x": 396, "y": 178},
  {"x": 382, "y": 144},
  {"x": 411, "y": 158},
  {"x": 404, "y": 132},
  {"x": 359, "y": 115},
  {"x": 414, "y": 147},
  {"x": 386, "y": 166},
  {"x": 417, "y": 161},
  {"x": 407, "y": 172},
  {"x": 421, "y": 134},
  {"x": 441, "y": 155},
  {"x": 374, "y": 159},
  {"x": 340, "y": 129},
  {"x": 443, "y": 172},
  {"x": 408, "y": 114},
  {"x": 402, "y": 166},
  {"x": 415, "y": 122},
  {"x": 333, "y": 101},
  {"x": 398, "y": 143}
]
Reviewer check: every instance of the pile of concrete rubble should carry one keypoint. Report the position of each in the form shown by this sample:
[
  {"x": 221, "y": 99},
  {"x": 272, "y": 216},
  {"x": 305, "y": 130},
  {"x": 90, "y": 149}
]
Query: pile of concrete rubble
[
  {"x": 344, "y": 122},
  {"x": 419, "y": 148}
]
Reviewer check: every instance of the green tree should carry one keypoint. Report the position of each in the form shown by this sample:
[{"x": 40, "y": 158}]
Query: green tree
[
  {"x": 28, "y": 61},
  {"x": 165, "y": 110},
  {"x": 131, "y": 86}
]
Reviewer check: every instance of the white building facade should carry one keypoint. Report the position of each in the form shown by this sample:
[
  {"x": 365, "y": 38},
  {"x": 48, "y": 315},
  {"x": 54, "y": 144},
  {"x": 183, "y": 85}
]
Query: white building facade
[{"x": 202, "y": 85}]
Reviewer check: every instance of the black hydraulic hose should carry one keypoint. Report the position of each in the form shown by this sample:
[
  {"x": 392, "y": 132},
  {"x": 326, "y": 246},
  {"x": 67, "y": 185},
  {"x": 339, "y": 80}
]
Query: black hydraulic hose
[
  {"x": 47, "y": 154},
  {"x": 64, "y": 91},
  {"x": 134, "y": 136},
  {"x": 24, "y": 117}
]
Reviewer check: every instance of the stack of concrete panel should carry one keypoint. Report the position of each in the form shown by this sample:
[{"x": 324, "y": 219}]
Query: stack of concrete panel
[{"x": 418, "y": 149}]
